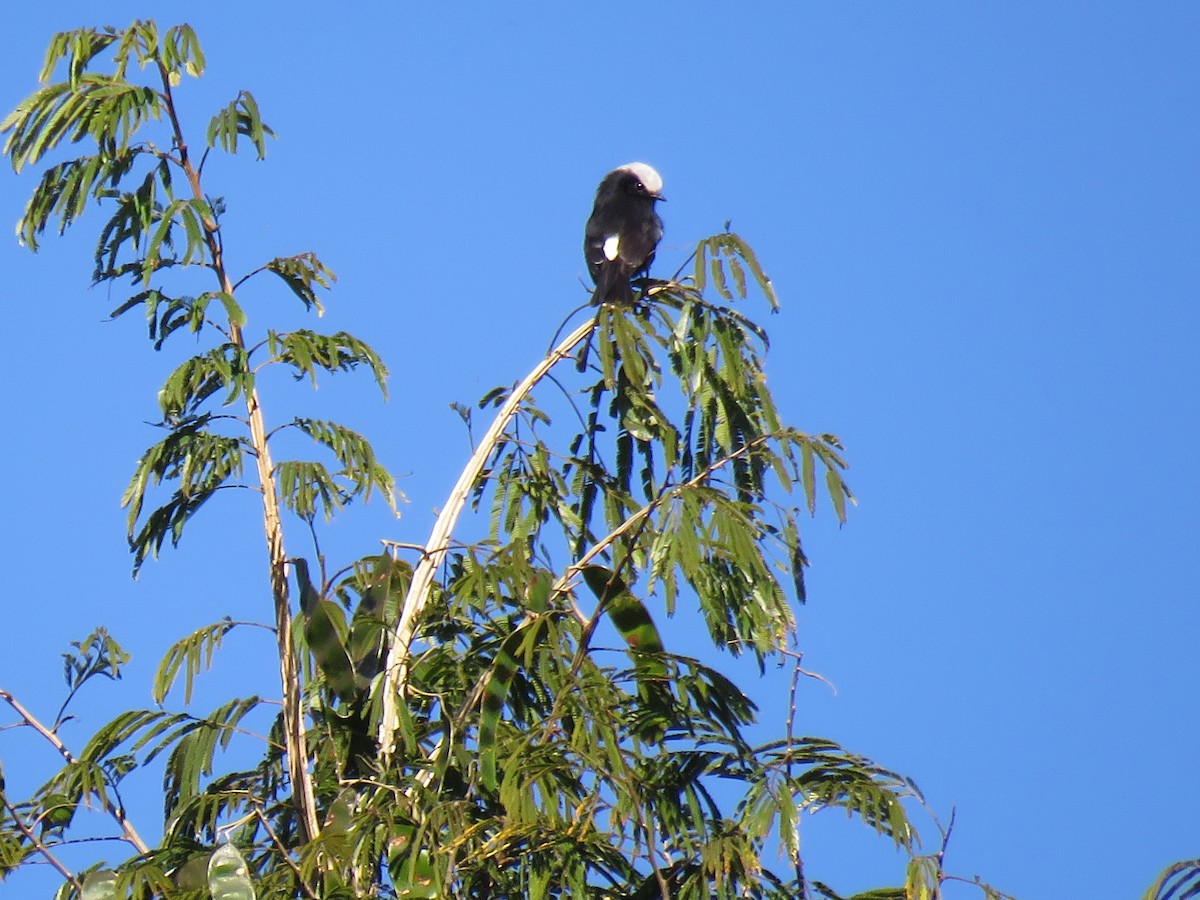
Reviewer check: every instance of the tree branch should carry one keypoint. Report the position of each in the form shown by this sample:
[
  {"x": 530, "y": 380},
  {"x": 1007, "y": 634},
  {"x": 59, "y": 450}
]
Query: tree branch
[
  {"x": 289, "y": 675},
  {"x": 40, "y": 847},
  {"x": 395, "y": 680},
  {"x": 114, "y": 812}
]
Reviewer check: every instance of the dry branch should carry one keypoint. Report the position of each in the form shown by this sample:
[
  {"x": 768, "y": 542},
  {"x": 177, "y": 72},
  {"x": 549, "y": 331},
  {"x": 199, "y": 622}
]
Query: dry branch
[{"x": 395, "y": 680}]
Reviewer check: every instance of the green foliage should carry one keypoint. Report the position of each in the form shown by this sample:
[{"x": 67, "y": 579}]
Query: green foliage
[
  {"x": 155, "y": 227},
  {"x": 193, "y": 654},
  {"x": 98, "y": 654},
  {"x": 327, "y": 635},
  {"x": 302, "y": 274},
  {"x": 360, "y": 470},
  {"x": 240, "y": 117},
  {"x": 200, "y": 462},
  {"x": 306, "y": 351},
  {"x": 556, "y": 739}
]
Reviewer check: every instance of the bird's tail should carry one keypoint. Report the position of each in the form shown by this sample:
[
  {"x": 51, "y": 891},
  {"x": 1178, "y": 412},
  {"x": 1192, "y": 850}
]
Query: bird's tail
[{"x": 613, "y": 286}]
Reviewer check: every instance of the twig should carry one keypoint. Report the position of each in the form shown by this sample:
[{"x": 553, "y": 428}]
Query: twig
[
  {"x": 941, "y": 854},
  {"x": 118, "y": 815},
  {"x": 39, "y": 846},
  {"x": 283, "y": 851},
  {"x": 790, "y": 737},
  {"x": 402, "y": 545}
]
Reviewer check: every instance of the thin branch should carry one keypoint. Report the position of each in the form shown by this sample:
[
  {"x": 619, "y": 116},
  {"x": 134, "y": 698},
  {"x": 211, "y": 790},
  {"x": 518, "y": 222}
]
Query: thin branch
[
  {"x": 982, "y": 885},
  {"x": 237, "y": 284},
  {"x": 941, "y": 854},
  {"x": 790, "y": 743},
  {"x": 278, "y": 428},
  {"x": 203, "y": 160},
  {"x": 39, "y": 846},
  {"x": 114, "y": 812},
  {"x": 402, "y": 545},
  {"x": 316, "y": 542},
  {"x": 283, "y": 851}
]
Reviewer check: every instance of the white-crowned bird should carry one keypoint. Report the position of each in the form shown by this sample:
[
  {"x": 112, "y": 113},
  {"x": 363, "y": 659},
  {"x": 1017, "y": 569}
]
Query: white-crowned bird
[{"x": 623, "y": 231}]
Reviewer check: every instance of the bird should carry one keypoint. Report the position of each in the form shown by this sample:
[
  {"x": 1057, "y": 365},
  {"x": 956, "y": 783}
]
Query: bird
[{"x": 623, "y": 231}]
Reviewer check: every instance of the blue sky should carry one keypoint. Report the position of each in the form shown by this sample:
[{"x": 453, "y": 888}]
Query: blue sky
[{"x": 983, "y": 221}]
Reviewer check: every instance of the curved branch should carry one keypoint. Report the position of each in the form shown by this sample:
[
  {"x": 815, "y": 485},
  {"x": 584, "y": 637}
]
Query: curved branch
[{"x": 395, "y": 679}]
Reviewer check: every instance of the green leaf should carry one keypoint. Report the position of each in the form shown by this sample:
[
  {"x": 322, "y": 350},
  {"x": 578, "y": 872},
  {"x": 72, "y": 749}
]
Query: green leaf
[
  {"x": 65, "y": 188},
  {"x": 240, "y": 117},
  {"x": 100, "y": 654},
  {"x": 193, "y": 743},
  {"x": 193, "y": 654},
  {"x": 200, "y": 462},
  {"x": 836, "y": 778},
  {"x": 225, "y": 367},
  {"x": 837, "y": 493},
  {"x": 718, "y": 276},
  {"x": 360, "y": 470},
  {"x": 808, "y": 476},
  {"x": 105, "y": 108},
  {"x": 303, "y": 273},
  {"x": 729, "y": 249},
  {"x": 306, "y": 351},
  {"x": 180, "y": 49},
  {"x": 798, "y": 562},
  {"x": 79, "y": 47},
  {"x": 922, "y": 881},
  {"x": 306, "y": 487}
]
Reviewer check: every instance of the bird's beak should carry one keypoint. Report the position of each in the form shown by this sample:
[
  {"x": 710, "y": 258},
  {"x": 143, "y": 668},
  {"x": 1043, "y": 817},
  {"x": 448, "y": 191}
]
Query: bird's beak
[{"x": 659, "y": 197}]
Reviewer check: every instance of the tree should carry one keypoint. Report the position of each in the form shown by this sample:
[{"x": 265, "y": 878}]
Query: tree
[{"x": 493, "y": 712}]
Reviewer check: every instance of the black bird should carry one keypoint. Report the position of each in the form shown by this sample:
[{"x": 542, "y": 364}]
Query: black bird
[{"x": 623, "y": 231}]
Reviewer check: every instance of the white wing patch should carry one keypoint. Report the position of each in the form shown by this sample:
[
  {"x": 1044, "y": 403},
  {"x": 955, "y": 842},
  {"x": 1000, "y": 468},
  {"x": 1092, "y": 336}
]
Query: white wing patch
[{"x": 611, "y": 246}]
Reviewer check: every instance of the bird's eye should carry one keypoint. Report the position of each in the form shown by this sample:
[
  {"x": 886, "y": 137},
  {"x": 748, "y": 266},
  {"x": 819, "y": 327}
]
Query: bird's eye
[{"x": 640, "y": 187}]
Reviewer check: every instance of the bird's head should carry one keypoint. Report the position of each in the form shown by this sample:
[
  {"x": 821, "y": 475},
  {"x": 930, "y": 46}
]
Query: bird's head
[{"x": 636, "y": 179}]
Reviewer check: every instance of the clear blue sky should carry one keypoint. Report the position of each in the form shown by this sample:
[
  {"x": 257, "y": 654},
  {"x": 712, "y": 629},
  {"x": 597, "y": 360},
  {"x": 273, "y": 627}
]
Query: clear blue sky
[{"x": 983, "y": 220}]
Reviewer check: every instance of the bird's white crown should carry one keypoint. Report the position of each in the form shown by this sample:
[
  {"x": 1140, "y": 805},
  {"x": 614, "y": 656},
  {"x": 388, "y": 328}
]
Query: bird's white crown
[{"x": 646, "y": 175}]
